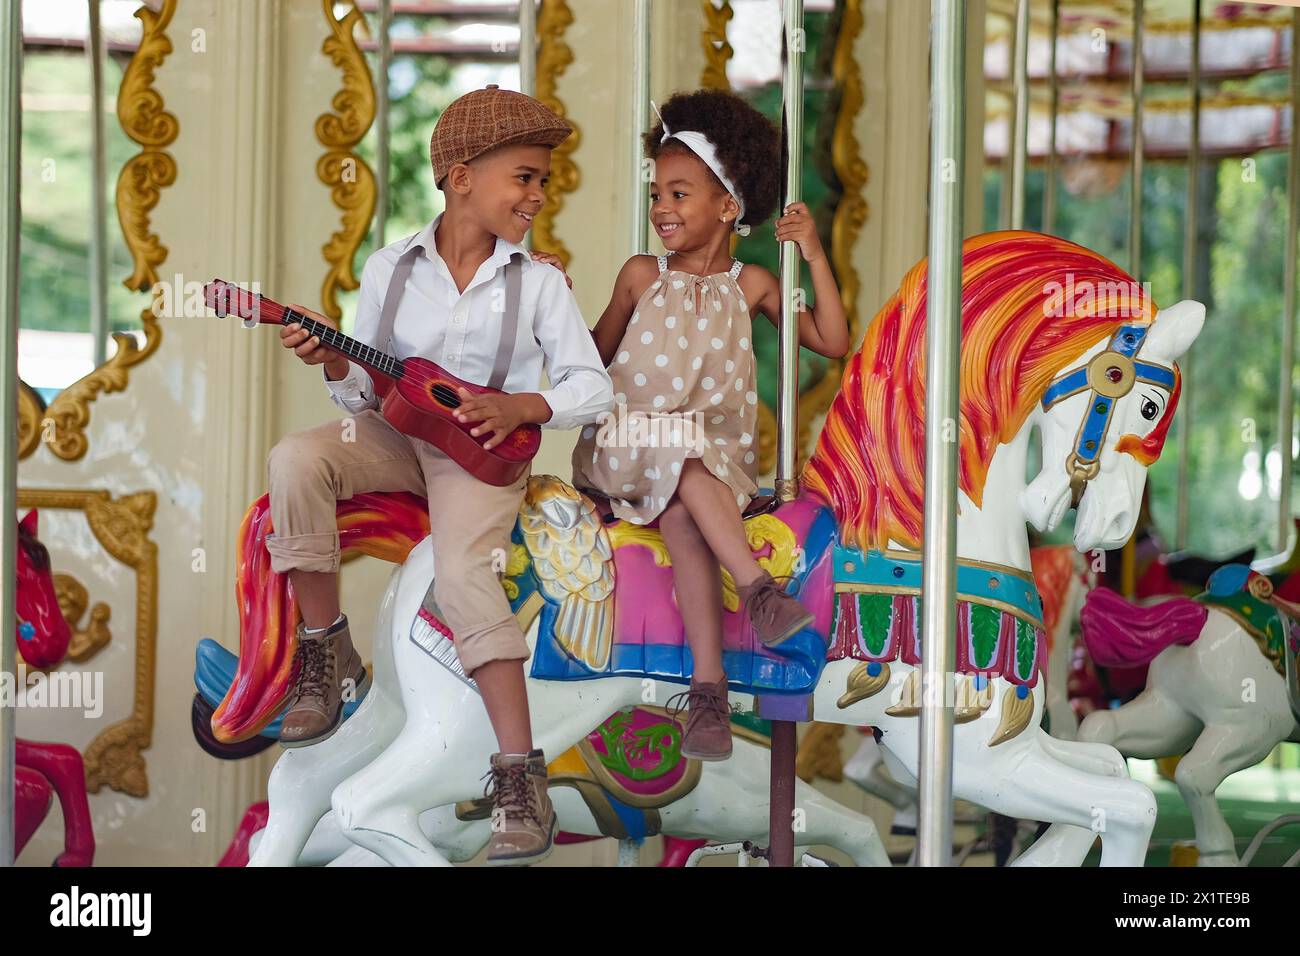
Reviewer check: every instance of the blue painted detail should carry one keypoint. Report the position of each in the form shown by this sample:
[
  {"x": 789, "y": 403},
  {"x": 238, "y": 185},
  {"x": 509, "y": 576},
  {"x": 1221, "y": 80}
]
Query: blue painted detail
[
  {"x": 1126, "y": 341},
  {"x": 974, "y": 583},
  {"x": 873, "y": 669},
  {"x": 633, "y": 820},
  {"x": 1067, "y": 383},
  {"x": 1022, "y": 691},
  {"x": 214, "y": 669},
  {"x": 981, "y": 681},
  {"x": 527, "y": 581},
  {"x": 26, "y": 630},
  {"x": 1227, "y": 580}
]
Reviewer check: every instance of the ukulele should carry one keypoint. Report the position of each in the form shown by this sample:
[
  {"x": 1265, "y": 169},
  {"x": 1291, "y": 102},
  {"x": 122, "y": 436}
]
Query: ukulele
[{"x": 418, "y": 397}]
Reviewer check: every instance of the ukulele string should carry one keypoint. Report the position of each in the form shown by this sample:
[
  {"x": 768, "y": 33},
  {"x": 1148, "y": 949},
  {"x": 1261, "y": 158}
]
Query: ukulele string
[{"x": 427, "y": 381}]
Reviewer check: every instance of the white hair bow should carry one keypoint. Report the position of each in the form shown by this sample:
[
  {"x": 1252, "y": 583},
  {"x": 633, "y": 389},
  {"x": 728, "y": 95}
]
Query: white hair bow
[{"x": 703, "y": 147}]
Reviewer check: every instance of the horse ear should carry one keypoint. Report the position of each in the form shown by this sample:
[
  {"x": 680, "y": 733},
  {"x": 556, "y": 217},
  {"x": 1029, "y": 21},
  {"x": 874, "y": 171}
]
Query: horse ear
[
  {"x": 28, "y": 522},
  {"x": 1175, "y": 329}
]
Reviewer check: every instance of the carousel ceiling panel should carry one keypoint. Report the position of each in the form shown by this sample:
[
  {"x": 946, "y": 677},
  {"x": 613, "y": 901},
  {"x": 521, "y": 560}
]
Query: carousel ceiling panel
[
  {"x": 1116, "y": 16},
  {"x": 1225, "y": 131},
  {"x": 1233, "y": 42}
]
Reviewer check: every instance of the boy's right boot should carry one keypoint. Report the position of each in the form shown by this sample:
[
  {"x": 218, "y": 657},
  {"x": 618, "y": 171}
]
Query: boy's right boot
[{"x": 328, "y": 665}]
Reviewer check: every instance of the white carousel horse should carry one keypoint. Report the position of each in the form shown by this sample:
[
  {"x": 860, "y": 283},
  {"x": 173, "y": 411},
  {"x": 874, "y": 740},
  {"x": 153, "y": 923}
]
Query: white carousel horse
[
  {"x": 1216, "y": 690},
  {"x": 722, "y": 806},
  {"x": 1032, "y": 359}
]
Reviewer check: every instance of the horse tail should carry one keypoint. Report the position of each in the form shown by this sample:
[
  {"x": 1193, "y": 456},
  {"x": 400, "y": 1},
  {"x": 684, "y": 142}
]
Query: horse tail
[
  {"x": 385, "y": 526},
  {"x": 1119, "y": 633},
  {"x": 1054, "y": 567}
]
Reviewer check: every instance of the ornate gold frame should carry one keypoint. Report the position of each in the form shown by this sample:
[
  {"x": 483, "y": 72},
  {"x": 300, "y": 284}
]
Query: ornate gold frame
[
  {"x": 717, "y": 51},
  {"x": 850, "y": 214},
  {"x": 121, "y": 526},
  {"x": 139, "y": 186},
  {"x": 73, "y": 600},
  {"x": 553, "y": 58},
  {"x": 339, "y": 132}
]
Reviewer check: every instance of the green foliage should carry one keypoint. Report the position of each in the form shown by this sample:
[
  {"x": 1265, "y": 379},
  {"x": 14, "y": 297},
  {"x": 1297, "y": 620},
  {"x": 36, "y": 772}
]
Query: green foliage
[
  {"x": 54, "y": 264},
  {"x": 760, "y": 246}
]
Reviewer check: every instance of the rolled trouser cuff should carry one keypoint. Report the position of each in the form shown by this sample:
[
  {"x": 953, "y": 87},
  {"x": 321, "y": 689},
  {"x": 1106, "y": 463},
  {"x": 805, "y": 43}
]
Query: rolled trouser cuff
[
  {"x": 304, "y": 552},
  {"x": 497, "y": 641}
]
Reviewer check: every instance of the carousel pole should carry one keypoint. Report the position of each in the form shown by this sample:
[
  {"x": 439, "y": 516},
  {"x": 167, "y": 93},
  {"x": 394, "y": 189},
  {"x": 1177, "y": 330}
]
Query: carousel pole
[
  {"x": 1049, "y": 182},
  {"x": 781, "y": 807},
  {"x": 528, "y": 64},
  {"x": 1286, "y": 389},
  {"x": 1128, "y": 555},
  {"x": 640, "y": 124},
  {"x": 1139, "y": 146},
  {"x": 943, "y": 343},
  {"x": 10, "y": 85},
  {"x": 382, "y": 104},
  {"x": 98, "y": 190},
  {"x": 1190, "y": 247},
  {"x": 528, "y": 47},
  {"x": 1020, "y": 129}
]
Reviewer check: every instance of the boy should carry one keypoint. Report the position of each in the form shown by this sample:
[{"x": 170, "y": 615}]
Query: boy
[{"x": 441, "y": 294}]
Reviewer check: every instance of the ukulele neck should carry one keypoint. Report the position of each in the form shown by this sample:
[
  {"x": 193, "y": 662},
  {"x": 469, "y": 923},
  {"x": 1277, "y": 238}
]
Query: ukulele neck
[{"x": 331, "y": 338}]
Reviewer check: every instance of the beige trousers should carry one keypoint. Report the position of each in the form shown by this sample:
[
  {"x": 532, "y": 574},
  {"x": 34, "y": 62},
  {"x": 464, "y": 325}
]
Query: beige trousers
[{"x": 470, "y": 522}]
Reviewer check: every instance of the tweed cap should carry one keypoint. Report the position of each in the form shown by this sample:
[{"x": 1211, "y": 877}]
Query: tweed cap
[{"x": 485, "y": 119}]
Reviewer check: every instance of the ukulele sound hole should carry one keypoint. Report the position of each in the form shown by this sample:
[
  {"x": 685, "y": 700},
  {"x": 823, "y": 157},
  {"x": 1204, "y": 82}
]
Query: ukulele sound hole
[{"x": 445, "y": 395}]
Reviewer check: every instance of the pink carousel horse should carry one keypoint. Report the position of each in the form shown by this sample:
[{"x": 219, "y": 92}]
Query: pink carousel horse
[
  {"x": 45, "y": 769},
  {"x": 1056, "y": 341}
]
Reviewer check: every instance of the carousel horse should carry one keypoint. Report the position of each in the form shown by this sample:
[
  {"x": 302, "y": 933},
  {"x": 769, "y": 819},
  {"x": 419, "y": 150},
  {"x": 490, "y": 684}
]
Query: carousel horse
[
  {"x": 1055, "y": 339},
  {"x": 1221, "y": 685},
  {"x": 44, "y": 770},
  {"x": 627, "y": 780},
  {"x": 1157, "y": 572}
]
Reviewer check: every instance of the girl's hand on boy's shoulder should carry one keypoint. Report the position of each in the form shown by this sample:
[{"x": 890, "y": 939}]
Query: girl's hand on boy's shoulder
[
  {"x": 551, "y": 259},
  {"x": 798, "y": 225}
]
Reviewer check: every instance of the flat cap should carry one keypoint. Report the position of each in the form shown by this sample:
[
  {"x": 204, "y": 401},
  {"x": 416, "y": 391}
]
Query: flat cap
[{"x": 482, "y": 120}]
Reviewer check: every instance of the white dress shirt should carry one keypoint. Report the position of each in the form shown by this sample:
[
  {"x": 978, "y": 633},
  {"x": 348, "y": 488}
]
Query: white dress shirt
[{"x": 460, "y": 331}]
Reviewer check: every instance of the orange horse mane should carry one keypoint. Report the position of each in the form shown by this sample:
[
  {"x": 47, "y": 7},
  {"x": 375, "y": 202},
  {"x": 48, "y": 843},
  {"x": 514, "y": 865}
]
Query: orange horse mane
[{"x": 1031, "y": 305}]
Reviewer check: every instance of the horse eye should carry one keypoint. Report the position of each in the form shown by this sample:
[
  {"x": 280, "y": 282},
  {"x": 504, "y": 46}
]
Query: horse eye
[{"x": 1149, "y": 410}]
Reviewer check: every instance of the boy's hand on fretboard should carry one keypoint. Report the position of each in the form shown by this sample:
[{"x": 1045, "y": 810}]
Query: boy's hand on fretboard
[{"x": 308, "y": 348}]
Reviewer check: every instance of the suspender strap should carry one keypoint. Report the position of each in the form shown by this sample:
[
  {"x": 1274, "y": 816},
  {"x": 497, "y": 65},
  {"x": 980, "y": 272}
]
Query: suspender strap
[
  {"x": 509, "y": 319},
  {"x": 393, "y": 297},
  {"x": 509, "y": 323}
]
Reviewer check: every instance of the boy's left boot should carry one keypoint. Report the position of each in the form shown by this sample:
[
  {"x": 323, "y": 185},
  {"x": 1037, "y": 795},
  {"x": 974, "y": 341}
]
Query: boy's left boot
[
  {"x": 328, "y": 667},
  {"x": 523, "y": 819}
]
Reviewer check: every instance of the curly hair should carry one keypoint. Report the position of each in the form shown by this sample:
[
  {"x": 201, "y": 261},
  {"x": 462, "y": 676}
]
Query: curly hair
[{"x": 748, "y": 144}]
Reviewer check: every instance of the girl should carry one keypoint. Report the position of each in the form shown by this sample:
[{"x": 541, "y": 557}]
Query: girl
[{"x": 677, "y": 339}]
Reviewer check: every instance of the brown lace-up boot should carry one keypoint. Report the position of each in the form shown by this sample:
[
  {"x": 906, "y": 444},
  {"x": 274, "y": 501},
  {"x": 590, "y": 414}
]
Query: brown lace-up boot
[
  {"x": 327, "y": 666},
  {"x": 774, "y": 614},
  {"x": 523, "y": 820},
  {"x": 708, "y": 721}
]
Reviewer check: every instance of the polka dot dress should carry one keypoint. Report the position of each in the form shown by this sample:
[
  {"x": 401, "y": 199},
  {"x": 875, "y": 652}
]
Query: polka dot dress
[{"x": 684, "y": 387}]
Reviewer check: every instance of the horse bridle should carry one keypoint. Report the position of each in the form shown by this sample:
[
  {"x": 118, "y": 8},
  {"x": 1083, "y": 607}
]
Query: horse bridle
[{"x": 1109, "y": 376}]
